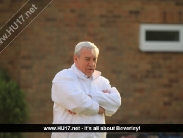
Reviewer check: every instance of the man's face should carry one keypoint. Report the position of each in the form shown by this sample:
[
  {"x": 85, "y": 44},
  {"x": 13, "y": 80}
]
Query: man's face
[{"x": 86, "y": 62}]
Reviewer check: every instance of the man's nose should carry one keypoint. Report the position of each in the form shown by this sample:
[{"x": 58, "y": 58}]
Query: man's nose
[{"x": 92, "y": 63}]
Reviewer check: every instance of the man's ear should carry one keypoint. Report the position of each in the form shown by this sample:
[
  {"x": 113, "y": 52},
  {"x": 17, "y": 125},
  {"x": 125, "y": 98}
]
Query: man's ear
[{"x": 75, "y": 58}]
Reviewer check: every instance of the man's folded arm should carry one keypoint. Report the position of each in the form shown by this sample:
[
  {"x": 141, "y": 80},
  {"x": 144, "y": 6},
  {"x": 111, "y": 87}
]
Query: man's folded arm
[
  {"x": 109, "y": 101},
  {"x": 66, "y": 93}
]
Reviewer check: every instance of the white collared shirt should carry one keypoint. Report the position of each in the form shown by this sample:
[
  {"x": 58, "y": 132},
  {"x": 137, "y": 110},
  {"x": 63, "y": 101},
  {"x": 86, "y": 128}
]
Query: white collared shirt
[{"x": 70, "y": 90}]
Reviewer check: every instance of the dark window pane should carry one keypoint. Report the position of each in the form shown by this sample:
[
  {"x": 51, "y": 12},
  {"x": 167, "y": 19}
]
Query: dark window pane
[{"x": 162, "y": 36}]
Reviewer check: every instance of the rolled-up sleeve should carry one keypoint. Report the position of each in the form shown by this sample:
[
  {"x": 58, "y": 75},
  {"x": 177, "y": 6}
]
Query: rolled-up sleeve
[{"x": 66, "y": 92}]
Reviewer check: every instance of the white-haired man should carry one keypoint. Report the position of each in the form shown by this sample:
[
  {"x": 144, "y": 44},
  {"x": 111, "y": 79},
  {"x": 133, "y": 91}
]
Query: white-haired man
[{"x": 81, "y": 95}]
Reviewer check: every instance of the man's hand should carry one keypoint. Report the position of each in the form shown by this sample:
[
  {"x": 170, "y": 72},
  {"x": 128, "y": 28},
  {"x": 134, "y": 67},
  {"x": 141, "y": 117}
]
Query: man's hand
[
  {"x": 106, "y": 91},
  {"x": 90, "y": 96},
  {"x": 70, "y": 112},
  {"x": 73, "y": 113},
  {"x": 101, "y": 110}
]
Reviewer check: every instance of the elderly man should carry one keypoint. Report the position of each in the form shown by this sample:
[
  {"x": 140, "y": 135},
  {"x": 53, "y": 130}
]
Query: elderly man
[{"x": 81, "y": 95}]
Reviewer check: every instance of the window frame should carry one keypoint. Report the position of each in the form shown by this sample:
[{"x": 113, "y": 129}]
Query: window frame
[{"x": 160, "y": 46}]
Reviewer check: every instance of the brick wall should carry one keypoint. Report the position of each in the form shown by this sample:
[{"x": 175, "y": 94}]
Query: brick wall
[{"x": 150, "y": 83}]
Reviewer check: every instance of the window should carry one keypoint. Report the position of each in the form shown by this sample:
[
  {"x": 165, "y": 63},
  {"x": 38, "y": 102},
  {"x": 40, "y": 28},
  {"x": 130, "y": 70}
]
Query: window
[{"x": 161, "y": 37}]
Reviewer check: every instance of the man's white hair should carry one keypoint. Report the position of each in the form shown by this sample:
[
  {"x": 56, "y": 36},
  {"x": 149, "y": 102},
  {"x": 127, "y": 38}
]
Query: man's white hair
[{"x": 86, "y": 44}]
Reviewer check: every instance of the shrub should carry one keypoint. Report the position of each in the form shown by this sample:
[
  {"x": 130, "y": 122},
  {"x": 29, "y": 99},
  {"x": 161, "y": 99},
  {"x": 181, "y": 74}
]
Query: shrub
[{"x": 13, "y": 109}]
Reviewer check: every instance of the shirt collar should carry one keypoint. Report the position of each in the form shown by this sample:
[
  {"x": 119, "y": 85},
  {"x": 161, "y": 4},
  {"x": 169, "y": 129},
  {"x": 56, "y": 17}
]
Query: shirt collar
[{"x": 80, "y": 74}]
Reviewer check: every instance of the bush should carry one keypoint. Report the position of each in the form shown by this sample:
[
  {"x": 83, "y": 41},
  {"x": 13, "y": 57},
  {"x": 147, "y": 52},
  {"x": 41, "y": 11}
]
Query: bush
[{"x": 13, "y": 109}]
